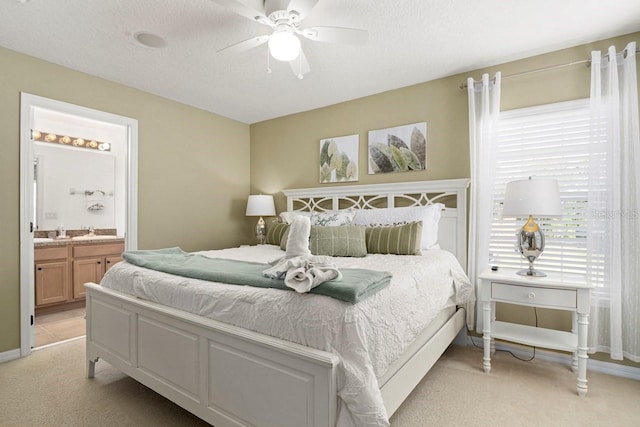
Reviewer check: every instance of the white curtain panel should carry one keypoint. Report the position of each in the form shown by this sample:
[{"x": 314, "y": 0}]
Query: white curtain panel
[
  {"x": 484, "y": 111},
  {"x": 614, "y": 205}
]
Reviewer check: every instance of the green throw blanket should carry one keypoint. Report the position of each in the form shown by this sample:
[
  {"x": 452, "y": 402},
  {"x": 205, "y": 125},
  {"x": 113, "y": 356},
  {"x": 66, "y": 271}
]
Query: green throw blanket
[{"x": 356, "y": 284}]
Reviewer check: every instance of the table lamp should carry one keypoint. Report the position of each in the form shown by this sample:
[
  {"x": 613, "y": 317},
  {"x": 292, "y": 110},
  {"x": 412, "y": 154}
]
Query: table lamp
[
  {"x": 259, "y": 205},
  {"x": 528, "y": 198}
]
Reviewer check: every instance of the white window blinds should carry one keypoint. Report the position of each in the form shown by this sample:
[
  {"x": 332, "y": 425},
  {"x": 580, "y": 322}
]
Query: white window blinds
[{"x": 549, "y": 141}]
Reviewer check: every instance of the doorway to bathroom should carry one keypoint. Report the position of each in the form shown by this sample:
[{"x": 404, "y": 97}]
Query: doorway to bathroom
[{"x": 78, "y": 202}]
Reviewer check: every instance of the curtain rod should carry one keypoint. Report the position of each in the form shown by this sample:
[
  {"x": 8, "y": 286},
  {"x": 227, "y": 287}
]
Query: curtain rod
[{"x": 551, "y": 67}]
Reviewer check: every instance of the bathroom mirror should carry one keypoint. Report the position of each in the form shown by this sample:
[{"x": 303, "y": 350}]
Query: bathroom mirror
[
  {"x": 80, "y": 172},
  {"x": 73, "y": 187}
]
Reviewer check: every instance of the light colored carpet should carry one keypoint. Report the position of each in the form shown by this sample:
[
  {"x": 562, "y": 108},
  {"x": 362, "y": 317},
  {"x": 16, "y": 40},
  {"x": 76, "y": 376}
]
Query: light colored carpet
[{"x": 49, "y": 388}]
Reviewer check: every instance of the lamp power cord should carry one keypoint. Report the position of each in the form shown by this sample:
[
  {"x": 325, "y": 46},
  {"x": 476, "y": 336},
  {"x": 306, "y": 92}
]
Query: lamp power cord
[{"x": 471, "y": 337}]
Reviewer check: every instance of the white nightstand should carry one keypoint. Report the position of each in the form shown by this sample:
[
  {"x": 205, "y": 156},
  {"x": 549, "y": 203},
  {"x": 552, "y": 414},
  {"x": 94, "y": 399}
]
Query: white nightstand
[{"x": 559, "y": 291}]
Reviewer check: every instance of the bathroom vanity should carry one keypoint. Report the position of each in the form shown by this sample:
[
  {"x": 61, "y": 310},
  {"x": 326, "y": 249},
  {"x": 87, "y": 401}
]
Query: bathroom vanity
[{"x": 62, "y": 267}]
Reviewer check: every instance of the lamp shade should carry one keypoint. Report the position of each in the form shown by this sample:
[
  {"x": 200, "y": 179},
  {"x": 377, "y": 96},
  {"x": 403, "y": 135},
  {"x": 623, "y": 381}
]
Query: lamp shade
[
  {"x": 535, "y": 197},
  {"x": 259, "y": 205}
]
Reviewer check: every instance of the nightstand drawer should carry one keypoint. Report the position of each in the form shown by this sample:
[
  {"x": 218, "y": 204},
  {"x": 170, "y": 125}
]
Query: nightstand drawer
[{"x": 540, "y": 297}]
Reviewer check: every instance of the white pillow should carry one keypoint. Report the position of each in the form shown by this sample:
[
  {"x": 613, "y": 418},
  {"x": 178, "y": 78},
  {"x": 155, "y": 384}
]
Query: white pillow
[
  {"x": 429, "y": 215},
  {"x": 326, "y": 218}
]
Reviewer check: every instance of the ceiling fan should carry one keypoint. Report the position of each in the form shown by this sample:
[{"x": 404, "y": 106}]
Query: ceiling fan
[{"x": 285, "y": 17}]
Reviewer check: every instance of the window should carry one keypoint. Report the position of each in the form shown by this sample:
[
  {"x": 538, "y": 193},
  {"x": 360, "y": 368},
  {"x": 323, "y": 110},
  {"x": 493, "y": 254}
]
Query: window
[{"x": 549, "y": 141}]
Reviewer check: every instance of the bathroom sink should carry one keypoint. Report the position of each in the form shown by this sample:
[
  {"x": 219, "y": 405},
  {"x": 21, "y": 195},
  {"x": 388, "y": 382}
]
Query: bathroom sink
[
  {"x": 94, "y": 237},
  {"x": 42, "y": 240}
]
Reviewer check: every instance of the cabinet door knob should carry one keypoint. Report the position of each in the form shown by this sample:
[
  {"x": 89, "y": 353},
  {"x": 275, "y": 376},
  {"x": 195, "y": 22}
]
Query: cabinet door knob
[
  {"x": 108, "y": 262},
  {"x": 39, "y": 268},
  {"x": 531, "y": 295},
  {"x": 99, "y": 262}
]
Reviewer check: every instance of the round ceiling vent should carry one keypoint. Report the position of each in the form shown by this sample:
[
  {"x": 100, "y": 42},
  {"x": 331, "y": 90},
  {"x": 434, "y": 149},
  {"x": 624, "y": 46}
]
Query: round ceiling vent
[{"x": 150, "y": 40}]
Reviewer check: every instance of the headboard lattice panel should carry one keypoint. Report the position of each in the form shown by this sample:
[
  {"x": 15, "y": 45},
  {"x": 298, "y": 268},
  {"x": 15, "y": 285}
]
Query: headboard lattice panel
[{"x": 452, "y": 193}]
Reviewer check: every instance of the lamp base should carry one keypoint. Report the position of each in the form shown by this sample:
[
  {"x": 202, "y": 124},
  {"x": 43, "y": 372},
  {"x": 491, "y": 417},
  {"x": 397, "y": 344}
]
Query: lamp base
[
  {"x": 531, "y": 273},
  {"x": 261, "y": 231},
  {"x": 531, "y": 245}
]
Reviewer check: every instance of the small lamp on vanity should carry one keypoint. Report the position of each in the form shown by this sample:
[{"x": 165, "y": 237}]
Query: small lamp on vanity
[
  {"x": 528, "y": 198},
  {"x": 259, "y": 205}
]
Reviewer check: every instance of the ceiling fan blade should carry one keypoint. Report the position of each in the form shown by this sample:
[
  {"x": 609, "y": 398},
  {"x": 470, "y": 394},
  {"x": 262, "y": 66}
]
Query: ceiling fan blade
[
  {"x": 250, "y": 9},
  {"x": 303, "y": 7},
  {"x": 245, "y": 45},
  {"x": 300, "y": 65},
  {"x": 335, "y": 34}
]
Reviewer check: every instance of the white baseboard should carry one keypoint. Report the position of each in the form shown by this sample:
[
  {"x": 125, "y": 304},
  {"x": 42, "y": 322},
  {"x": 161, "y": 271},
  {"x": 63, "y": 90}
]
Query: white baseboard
[
  {"x": 9, "y": 355},
  {"x": 609, "y": 368}
]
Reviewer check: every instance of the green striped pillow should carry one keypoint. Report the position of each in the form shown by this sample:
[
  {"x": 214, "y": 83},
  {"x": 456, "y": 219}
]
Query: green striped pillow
[
  {"x": 275, "y": 231},
  {"x": 399, "y": 240},
  {"x": 343, "y": 240}
]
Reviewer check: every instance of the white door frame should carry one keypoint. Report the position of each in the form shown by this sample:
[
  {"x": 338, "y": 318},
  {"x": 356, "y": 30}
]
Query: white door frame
[{"x": 28, "y": 103}]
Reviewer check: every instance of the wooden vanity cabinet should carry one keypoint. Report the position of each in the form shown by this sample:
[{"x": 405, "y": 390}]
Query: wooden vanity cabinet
[
  {"x": 62, "y": 271},
  {"x": 52, "y": 275},
  {"x": 90, "y": 262},
  {"x": 86, "y": 270}
]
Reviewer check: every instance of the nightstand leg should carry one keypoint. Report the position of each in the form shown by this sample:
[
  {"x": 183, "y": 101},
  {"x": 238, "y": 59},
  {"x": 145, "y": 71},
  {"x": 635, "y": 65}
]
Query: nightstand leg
[
  {"x": 574, "y": 330},
  {"x": 486, "y": 336},
  {"x": 583, "y": 324}
]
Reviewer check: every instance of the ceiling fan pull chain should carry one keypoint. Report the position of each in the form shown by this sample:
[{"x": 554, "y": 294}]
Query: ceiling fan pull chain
[{"x": 268, "y": 65}]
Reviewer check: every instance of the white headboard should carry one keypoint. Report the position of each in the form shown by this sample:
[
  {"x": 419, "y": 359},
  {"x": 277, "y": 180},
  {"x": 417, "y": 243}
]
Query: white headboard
[{"x": 452, "y": 232}]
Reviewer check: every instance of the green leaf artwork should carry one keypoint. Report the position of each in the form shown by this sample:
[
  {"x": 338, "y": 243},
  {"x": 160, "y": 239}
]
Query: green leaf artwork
[
  {"x": 339, "y": 159},
  {"x": 398, "y": 149}
]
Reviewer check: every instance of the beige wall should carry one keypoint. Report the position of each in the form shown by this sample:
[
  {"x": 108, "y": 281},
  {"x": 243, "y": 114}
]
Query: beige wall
[
  {"x": 193, "y": 168},
  {"x": 285, "y": 151}
]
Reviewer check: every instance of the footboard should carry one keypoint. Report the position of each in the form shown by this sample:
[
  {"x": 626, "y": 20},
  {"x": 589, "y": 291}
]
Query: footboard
[{"x": 226, "y": 375}]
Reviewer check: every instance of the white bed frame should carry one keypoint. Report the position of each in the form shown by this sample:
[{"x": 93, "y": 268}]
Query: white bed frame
[{"x": 230, "y": 376}]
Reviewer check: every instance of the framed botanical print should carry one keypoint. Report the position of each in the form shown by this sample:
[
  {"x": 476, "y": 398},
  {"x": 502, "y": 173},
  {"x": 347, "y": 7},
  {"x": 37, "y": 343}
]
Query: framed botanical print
[
  {"x": 339, "y": 159},
  {"x": 398, "y": 149}
]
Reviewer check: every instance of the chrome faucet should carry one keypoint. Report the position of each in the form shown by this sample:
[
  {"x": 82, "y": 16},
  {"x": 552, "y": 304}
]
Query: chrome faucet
[{"x": 92, "y": 231}]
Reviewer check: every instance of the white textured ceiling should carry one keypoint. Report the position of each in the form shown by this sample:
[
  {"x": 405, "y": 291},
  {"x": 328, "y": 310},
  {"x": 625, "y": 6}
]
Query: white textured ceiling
[{"x": 410, "y": 41}]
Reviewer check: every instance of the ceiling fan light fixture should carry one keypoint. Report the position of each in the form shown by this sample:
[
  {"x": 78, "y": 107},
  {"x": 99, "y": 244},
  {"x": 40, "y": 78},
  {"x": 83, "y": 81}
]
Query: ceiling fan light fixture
[{"x": 284, "y": 46}]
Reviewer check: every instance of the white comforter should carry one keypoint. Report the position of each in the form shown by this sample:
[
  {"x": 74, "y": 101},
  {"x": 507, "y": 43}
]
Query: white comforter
[{"x": 367, "y": 336}]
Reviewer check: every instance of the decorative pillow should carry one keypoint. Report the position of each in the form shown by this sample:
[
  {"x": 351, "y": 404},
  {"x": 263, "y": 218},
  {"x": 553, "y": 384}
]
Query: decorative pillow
[
  {"x": 333, "y": 218},
  {"x": 346, "y": 240},
  {"x": 325, "y": 218},
  {"x": 275, "y": 232},
  {"x": 429, "y": 215},
  {"x": 283, "y": 240},
  {"x": 398, "y": 239}
]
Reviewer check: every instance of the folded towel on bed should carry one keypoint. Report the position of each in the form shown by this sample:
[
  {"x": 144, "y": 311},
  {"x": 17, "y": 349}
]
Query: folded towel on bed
[
  {"x": 304, "y": 279},
  {"x": 303, "y": 273},
  {"x": 300, "y": 270},
  {"x": 298, "y": 238},
  {"x": 355, "y": 284}
]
